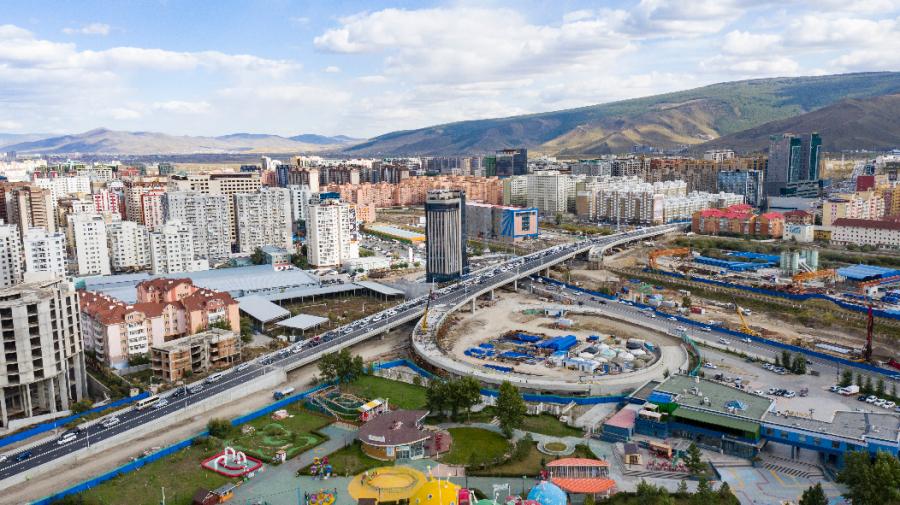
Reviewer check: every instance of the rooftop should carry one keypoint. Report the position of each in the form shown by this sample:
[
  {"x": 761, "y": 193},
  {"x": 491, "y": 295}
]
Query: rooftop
[
  {"x": 261, "y": 309},
  {"x": 380, "y": 288},
  {"x": 852, "y": 425},
  {"x": 867, "y": 223},
  {"x": 691, "y": 392},
  {"x": 302, "y": 322},
  {"x": 577, "y": 462},
  {"x": 396, "y": 232},
  {"x": 397, "y": 427},
  {"x": 864, "y": 272}
]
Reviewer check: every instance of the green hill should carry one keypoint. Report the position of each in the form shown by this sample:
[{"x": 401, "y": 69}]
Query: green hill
[{"x": 666, "y": 121}]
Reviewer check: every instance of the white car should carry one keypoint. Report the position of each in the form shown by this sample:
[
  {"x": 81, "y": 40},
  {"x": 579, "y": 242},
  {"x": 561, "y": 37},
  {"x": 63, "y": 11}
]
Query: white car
[
  {"x": 707, "y": 328},
  {"x": 67, "y": 438},
  {"x": 243, "y": 366},
  {"x": 746, "y": 340},
  {"x": 790, "y": 394},
  {"x": 889, "y": 405},
  {"x": 759, "y": 392},
  {"x": 879, "y": 402},
  {"x": 3, "y": 458},
  {"x": 161, "y": 403},
  {"x": 723, "y": 341},
  {"x": 710, "y": 366},
  {"x": 673, "y": 318},
  {"x": 109, "y": 422},
  {"x": 871, "y": 399}
]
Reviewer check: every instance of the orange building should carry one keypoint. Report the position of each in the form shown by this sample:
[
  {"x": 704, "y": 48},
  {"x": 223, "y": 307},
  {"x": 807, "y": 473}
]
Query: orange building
[
  {"x": 737, "y": 220},
  {"x": 412, "y": 191}
]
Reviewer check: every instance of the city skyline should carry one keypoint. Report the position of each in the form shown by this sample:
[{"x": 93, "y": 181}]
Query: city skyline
[{"x": 362, "y": 69}]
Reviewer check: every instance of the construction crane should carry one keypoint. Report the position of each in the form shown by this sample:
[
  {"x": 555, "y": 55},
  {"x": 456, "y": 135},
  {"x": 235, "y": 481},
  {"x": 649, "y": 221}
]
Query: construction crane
[
  {"x": 745, "y": 328},
  {"x": 808, "y": 276},
  {"x": 425, "y": 314},
  {"x": 678, "y": 251}
]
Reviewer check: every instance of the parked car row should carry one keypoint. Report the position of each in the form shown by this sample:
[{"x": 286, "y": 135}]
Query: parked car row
[
  {"x": 775, "y": 369},
  {"x": 877, "y": 402}
]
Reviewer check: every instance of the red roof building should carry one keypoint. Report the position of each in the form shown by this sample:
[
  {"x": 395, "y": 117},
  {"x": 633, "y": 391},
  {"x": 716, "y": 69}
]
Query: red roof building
[
  {"x": 737, "y": 220},
  {"x": 798, "y": 217},
  {"x": 582, "y": 476}
]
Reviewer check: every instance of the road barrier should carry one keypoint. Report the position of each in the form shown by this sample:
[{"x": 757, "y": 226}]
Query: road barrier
[{"x": 56, "y": 423}]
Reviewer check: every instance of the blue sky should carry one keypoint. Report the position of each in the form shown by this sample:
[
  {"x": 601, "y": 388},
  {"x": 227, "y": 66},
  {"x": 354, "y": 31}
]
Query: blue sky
[{"x": 365, "y": 68}]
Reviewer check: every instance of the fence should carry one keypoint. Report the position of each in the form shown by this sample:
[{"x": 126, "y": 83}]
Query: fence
[
  {"x": 126, "y": 468},
  {"x": 774, "y": 343},
  {"x": 56, "y": 423}
]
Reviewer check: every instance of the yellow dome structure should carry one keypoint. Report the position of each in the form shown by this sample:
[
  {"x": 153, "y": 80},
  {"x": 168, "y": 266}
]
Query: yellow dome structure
[
  {"x": 387, "y": 484},
  {"x": 436, "y": 492}
]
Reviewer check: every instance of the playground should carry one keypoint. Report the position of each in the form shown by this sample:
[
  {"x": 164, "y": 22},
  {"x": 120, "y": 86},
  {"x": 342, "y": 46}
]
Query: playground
[
  {"x": 386, "y": 484},
  {"x": 232, "y": 464},
  {"x": 335, "y": 403},
  {"x": 281, "y": 435}
]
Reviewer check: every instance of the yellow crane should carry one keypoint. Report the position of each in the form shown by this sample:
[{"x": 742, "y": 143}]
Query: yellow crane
[
  {"x": 678, "y": 251},
  {"x": 744, "y": 326}
]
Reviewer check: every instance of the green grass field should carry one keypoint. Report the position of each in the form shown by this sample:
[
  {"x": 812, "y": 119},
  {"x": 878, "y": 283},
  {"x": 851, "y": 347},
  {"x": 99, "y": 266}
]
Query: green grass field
[
  {"x": 474, "y": 444},
  {"x": 546, "y": 424},
  {"x": 294, "y": 434},
  {"x": 399, "y": 394},
  {"x": 180, "y": 474},
  {"x": 351, "y": 461}
]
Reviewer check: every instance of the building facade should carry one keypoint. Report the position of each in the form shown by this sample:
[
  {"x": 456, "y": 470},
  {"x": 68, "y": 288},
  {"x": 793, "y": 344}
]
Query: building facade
[
  {"x": 263, "y": 218},
  {"x": 129, "y": 246},
  {"x": 445, "y": 232},
  {"x": 88, "y": 232},
  {"x": 45, "y": 252},
  {"x": 207, "y": 215},
  {"x": 793, "y": 166},
  {"x": 228, "y": 184},
  {"x": 178, "y": 359},
  {"x": 498, "y": 222},
  {"x": 11, "y": 267},
  {"x": 172, "y": 250},
  {"x": 332, "y": 232}
]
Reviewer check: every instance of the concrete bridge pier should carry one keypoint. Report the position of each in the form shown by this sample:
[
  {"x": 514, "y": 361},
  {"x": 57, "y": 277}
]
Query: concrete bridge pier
[
  {"x": 492, "y": 295},
  {"x": 473, "y": 305},
  {"x": 516, "y": 284}
]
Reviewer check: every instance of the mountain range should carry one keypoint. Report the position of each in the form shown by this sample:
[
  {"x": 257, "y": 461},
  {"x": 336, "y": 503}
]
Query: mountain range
[
  {"x": 104, "y": 141},
  {"x": 851, "y": 111},
  {"x": 671, "y": 120}
]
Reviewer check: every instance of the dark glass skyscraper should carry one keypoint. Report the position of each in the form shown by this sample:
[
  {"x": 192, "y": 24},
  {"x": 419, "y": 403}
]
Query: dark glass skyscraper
[
  {"x": 793, "y": 166},
  {"x": 512, "y": 162},
  {"x": 445, "y": 234}
]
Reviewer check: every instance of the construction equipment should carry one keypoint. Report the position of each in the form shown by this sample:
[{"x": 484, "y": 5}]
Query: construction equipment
[
  {"x": 808, "y": 276},
  {"x": 677, "y": 251},
  {"x": 425, "y": 314},
  {"x": 745, "y": 328}
]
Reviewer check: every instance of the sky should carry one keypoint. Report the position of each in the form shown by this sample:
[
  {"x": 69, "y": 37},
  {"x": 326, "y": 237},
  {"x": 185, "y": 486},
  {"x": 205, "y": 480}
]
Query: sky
[{"x": 333, "y": 67}]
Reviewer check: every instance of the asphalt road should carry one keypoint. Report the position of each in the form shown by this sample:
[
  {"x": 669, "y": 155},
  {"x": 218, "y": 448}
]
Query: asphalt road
[{"x": 374, "y": 324}]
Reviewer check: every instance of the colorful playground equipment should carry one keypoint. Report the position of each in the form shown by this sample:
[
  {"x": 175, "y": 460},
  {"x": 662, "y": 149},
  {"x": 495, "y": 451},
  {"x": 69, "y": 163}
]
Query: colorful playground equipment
[
  {"x": 323, "y": 497},
  {"x": 320, "y": 468},
  {"x": 332, "y": 402},
  {"x": 231, "y": 463}
]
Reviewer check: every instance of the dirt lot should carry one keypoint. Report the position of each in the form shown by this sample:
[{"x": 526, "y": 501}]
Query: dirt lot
[
  {"x": 488, "y": 323},
  {"x": 389, "y": 347},
  {"x": 342, "y": 310}
]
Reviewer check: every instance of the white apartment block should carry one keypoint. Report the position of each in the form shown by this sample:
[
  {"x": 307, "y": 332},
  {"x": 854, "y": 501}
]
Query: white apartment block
[
  {"x": 551, "y": 192},
  {"x": 10, "y": 255},
  {"x": 300, "y": 196},
  {"x": 718, "y": 155},
  {"x": 107, "y": 201},
  {"x": 152, "y": 209},
  {"x": 263, "y": 218},
  {"x": 865, "y": 232},
  {"x": 227, "y": 184},
  {"x": 172, "y": 250},
  {"x": 66, "y": 185},
  {"x": 134, "y": 189},
  {"x": 207, "y": 215},
  {"x": 515, "y": 191},
  {"x": 45, "y": 252},
  {"x": 129, "y": 246},
  {"x": 332, "y": 233},
  {"x": 88, "y": 231}
]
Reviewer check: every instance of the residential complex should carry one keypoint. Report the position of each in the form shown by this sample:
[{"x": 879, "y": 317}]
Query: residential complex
[
  {"x": 88, "y": 231},
  {"x": 129, "y": 246},
  {"x": 263, "y": 218},
  {"x": 738, "y": 220},
  {"x": 195, "y": 354},
  {"x": 165, "y": 310},
  {"x": 332, "y": 233},
  {"x": 45, "y": 252},
  {"x": 207, "y": 215},
  {"x": 172, "y": 250},
  {"x": 10, "y": 255}
]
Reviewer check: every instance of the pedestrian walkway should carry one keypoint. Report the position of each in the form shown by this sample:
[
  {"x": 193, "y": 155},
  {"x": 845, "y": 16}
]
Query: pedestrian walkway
[{"x": 764, "y": 486}]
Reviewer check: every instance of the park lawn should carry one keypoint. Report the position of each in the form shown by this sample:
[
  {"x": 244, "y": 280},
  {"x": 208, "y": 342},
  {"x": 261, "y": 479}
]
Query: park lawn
[
  {"x": 546, "y": 424},
  {"x": 530, "y": 465},
  {"x": 180, "y": 474},
  {"x": 295, "y": 434},
  {"x": 399, "y": 394},
  {"x": 351, "y": 460},
  {"x": 474, "y": 444}
]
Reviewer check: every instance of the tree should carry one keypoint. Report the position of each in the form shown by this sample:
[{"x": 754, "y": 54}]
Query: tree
[
  {"x": 219, "y": 428},
  {"x": 341, "y": 367},
  {"x": 436, "y": 397},
  {"x": 682, "y": 488},
  {"x": 814, "y": 495},
  {"x": 246, "y": 330},
  {"x": 466, "y": 393},
  {"x": 859, "y": 381},
  {"x": 589, "y": 499},
  {"x": 868, "y": 388},
  {"x": 221, "y": 324},
  {"x": 894, "y": 391},
  {"x": 799, "y": 363},
  {"x": 559, "y": 219},
  {"x": 786, "y": 359},
  {"x": 846, "y": 378},
  {"x": 686, "y": 301},
  {"x": 694, "y": 460},
  {"x": 510, "y": 408},
  {"x": 81, "y": 406},
  {"x": 704, "y": 494},
  {"x": 871, "y": 481},
  {"x": 879, "y": 388},
  {"x": 258, "y": 257}
]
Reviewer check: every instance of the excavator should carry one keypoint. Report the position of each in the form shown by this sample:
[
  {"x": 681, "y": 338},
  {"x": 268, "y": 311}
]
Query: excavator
[{"x": 659, "y": 253}]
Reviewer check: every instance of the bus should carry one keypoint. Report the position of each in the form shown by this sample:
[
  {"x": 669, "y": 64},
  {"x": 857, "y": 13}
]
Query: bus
[{"x": 146, "y": 402}]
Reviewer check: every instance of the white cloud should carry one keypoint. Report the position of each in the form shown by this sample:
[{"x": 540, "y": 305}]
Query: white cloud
[
  {"x": 183, "y": 107},
  {"x": 656, "y": 18},
  {"x": 10, "y": 125},
  {"x": 746, "y": 43},
  {"x": 331, "y": 69},
  {"x": 122, "y": 113},
  {"x": 91, "y": 29},
  {"x": 373, "y": 79}
]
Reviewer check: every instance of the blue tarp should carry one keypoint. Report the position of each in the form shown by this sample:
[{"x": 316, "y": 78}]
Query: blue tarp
[
  {"x": 524, "y": 337},
  {"x": 771, "y": 258},
  {"x": 737, "y": 266},
  {"x": 559, "y": 343},
  {"x": 865, "y": 272},
  {"x": 504, "y": 369},
  {"x": 658, "y": 397},
  {"x": 486, "y": 346},
  {"x": 515, "y": 355}
]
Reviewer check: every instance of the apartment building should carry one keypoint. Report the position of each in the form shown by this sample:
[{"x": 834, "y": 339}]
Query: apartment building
[
  {"x": 500, "y": 222},
  {"x": 738, "y": 220},
  {"x": 263, "y": 218},
  {"x": 207, "y": 215},
  {"x": 64, "y": 185},
  {"x": 743, "y": 182},
  {"x": 108, "y": 201},
  {"x": 166, "y": 310},
  {"x": 172, "y": 250},
  {"x": 43, "y": 367},
  {"x": 134, "y": 188},
  {"x": 88, "y": 232},
  {"x": 30, "y": 207},
  {"x": 179, "y": 359},
  {"x": 226, "y": 183},
  {"x": 515, "y": 191},
  {"x": 153, "y": 214},
  {"x": 413, "y": 190},
  {"x": 129, "y": 246},
  {"x": 45, "y": 252},
  {"x": 877, "y": 233},
  {"x": 860, "y": 205},
  {"x": 550, "y": 192},
  {"x": 332, "y": 233},
  {"x": 11, "y": 268}
]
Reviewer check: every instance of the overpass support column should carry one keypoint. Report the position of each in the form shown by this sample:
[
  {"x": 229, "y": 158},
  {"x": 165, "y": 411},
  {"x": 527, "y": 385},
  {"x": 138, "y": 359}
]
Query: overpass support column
[
  {"x": 546, "y": 272},
  {"x": 473, "y": 305},
  {"x": 516, "y": 284},
  {"x": 492, "y": 295}
]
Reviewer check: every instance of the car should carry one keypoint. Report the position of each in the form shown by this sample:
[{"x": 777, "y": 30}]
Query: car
[
  {"x": 871, "y": 398},
  {"x": 861, "y": 398},
  {"x": 768, "y": 366},
  {"x": 879, "y": 402},
  {"x": 723, "y": 341},
  {"x": 746, "y": 340},
  {"x": 110, "y": 422},
  {"x": 710, "y": 366},
  {"x": 3, "y": 458},
  {"x": 161, "y": 403},
  {"x": 779, "y": 370},
  {"x": 759, "y": 392},
  {"x": 66, "y": 438},
  {"x": 196, "y": 389},
  {"x": 242, "y": 367},
  {"x": 706, "y": 328},
  {"x": 22, "y": 456},
  {"x": 178, "y": 392},
  {"x": 213, "y": 378},
  {"x": 789, "y": 394},
  {"x": 834, "y": 389},
  {"x": 673, "y": 318},
  {"x": 889, "y": 405}
]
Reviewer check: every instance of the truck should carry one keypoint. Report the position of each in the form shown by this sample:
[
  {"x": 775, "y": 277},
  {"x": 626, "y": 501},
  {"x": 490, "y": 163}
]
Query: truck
[
  {"x": 281, "y": 393},
  {"x": 849, "y": 390},
  {"x": 697, "y": 310}
]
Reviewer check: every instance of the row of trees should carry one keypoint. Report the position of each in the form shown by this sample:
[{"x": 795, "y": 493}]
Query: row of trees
[
  {"x": 866, "y": 386},
  {"x": 649, "y": 494},
  {"x": 460, "y": 395},
  {"x": 341, "y": 367},
  {"x": 794, "y": 364}
]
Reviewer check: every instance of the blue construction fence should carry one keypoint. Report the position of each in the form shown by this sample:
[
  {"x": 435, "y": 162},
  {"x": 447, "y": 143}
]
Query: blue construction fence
[
  {"x": 774, "y": 343},
  {"x": 56, "y": 423},
  {"x": 122, "y": 470},
  {"x": 788, "y": 296}
]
